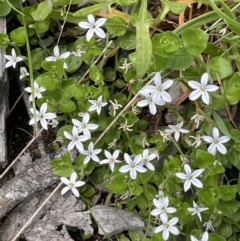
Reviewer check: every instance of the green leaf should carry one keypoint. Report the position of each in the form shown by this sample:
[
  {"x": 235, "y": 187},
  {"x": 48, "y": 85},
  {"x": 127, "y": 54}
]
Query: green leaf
[
  {"x": 194, "y": 40},
  {"x": 172, "y": 186},
  {"x": 80, "y": 92},
  {"x": 63, "y": 171},
  {"x": 37, "y": 58},
  {"x": 142, "y": 202},
  {"x": 116, "y": 26},
  {"x": 149, "y": 191},
  {"x": 225, "y": 230},
  {"x": 135, "y": 189},
  {"x": 130, "y": 117},
  {"x": 66, "y": 105},
  {"x": 215, "y": 237},
  {"x": 96, "y": 75},
  {"x": 5, "y": 9},
  {"x": 87, "y": 10},
  {"x": 209, "y": 194},
  {"x": 135, "y": 236},
  {"x": 204, "y": 158},
  {"x": 18, "y": 36},
  {"x": 42, "y": 26},
  {"x": 43, "y": 10},
  {"x": 143, "y": 41},
  {"x": 4, "y": 40},
  {"x": 73, "y": 62},
  {"x": 232, "y": 23},
  {"x": 117, "y": 185},
  {"x": 228, "y": 192},
  {"x": 179, "y": 60},
  {"x": 47, "y": 80},
  {"x": 228, "y": 207},
  {"x": 215, "y": 168},
  {"x": 67, "y": 128},
  {"x": 56, "y": 67},
  {"x": 128, "y": 41},
  {"x": 165, "y": 44},
  {"x": 174, "y": 7},
  {"x": 220, "y": 123},
  {"x": 220, "y": 66},
  {"x": 233, "y": 89},
  {"x": 67, "y": 86},
  {"x": 233, "y": 157},
  {"x": 88, "y": 191},
  {"x": 143, "y": 178},
  {"x": 109, "y": 74}
]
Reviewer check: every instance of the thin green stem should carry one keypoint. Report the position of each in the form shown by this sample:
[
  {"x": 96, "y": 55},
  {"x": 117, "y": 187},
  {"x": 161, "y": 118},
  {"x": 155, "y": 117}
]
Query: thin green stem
[
  {"x": 176, "y": 144},
  {"x": 149, "y": 220},
  {"x": 109, "y": 196},
  {"x": 129, "y": 141},
  {"x": 30, "y": 66}
]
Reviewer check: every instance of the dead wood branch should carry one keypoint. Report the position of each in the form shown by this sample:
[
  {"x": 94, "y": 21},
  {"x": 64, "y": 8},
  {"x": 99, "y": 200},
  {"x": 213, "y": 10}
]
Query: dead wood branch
[
  {"x": 56, "y": 218},
  {"x": 3, "y": 101},
  {"x": 35, "y": 178}
]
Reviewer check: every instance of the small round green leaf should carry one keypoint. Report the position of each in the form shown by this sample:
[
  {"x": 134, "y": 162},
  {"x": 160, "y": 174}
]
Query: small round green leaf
[
  {"x": 128, "y": 41},
  {"x": 195, "y": 40},
  {"x": 116, "y": 26},
  {"x": 220, "y": 66},
  {"x": 66, "y": 105},
  {"x": 5, "y": 9},
  {"x": 164, "y": 44},
  {"x": 18, "y": 36},
  {"x": 47, "y": 80}
]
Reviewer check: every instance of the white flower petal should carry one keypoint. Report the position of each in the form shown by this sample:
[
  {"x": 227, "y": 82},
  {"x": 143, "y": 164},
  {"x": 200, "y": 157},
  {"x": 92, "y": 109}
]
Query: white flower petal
[
  {"x": 65, "y": 189},
  {"x": 204, "y": 79},
  {"x": 100, "y": 33},
  {"x": 75, "y": 192}
]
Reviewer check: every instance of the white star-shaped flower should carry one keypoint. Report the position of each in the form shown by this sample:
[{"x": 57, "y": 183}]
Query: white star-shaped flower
[
  {"x": 76, "y": 139},
  {"x": 53, "y": 123},
  {"x": 197, "y": 210},
  {"x": 191, "y": 178},
  {"x": 176, "y": 129},
  {"x": 71, "y": 184},
  {"x": 97, "y": 105},
  {"x": 162, "y": 207},
  {"x": 93, "y": 27},
  {"x": 159, "y": 94},
  {"x": 125, "y": 66},
  {"x": 204, "y": 237},
  {"x": 58, "y": 56},
  {"x": 167, "y": 227},
  {"x": 197, "y": 141},
  {"x": 125, "y": 126},
  {"x": 111, "y": 159},
  {"x": 133, "y": 166},
  {"x": 12, "y": 59},
  {"x": 23, "y": 72},
  {"x": 208, "y": 225},
  {"x": 146, "y": 158},
  {"x": 197, "y": 119},
  {"x": 84, "y": 126},
  {"x": 37, "y": 91},
  {"x": 201, "y": 89},
  {"x": 91, "y": 154},
  {"x": 42, "y": 116},
  {"x": 115, "y": 106},
  {"x": 216, "y": 142},
  {"x": 147, "y": 101}
]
